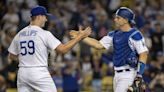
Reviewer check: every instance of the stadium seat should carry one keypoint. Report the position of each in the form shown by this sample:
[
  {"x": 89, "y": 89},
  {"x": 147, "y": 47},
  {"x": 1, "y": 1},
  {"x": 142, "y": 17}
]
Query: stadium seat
[
  {"x": 11, "y": 90},
  {"x": 107, "y": 84}
]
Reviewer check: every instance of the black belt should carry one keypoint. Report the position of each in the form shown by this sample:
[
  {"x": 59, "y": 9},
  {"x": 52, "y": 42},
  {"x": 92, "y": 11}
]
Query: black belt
[{"x": 119, "y": 71}]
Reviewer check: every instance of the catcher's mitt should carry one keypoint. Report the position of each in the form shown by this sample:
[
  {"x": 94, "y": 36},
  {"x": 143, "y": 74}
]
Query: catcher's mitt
[{"x": 138, "y": 85}]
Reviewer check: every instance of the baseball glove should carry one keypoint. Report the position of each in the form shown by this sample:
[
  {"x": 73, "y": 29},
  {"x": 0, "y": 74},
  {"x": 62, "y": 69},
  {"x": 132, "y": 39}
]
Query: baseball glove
[{"x": 138, "y": 85}]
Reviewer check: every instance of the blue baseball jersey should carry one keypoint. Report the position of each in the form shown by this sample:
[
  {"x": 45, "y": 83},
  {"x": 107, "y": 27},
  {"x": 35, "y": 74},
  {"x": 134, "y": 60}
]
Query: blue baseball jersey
[{"x": 126, "y": 46}]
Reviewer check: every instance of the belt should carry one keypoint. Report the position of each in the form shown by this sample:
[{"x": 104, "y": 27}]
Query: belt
[{"x": 124, "y": 70}]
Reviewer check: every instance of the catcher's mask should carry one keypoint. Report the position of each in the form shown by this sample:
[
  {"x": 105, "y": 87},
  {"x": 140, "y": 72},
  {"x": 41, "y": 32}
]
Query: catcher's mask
[{"x": 126, "y": 13}]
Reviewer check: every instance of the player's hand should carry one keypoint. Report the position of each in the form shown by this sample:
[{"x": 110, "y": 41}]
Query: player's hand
[
  {"x": 138, "y": 85},
  {"x": 83, "y": 33},
  {"x": 138, "y": 81},
  {"x": 73, "y": 34}
]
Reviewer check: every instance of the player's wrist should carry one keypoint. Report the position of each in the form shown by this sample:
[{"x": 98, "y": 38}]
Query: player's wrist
[
  {"x": 79, "y": 37},
  {"x": 140, "y": 68},
  {"x": 82, "y": 36},
  {"x": 139, "y": 75}
]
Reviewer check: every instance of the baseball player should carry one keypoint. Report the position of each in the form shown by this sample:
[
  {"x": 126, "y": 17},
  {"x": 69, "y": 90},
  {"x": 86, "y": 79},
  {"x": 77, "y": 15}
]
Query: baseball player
[
  {"x": 130, "y": 52},
  {"x": 31, "y": 47}
]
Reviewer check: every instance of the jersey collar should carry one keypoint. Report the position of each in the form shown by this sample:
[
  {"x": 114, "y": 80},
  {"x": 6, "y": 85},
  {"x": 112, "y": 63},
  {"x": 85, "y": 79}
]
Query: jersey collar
[{"x": 35, "y": 27}]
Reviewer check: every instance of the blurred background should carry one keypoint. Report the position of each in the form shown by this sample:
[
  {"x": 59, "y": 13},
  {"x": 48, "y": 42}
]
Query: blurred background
[{"x": 84, "y": 69}]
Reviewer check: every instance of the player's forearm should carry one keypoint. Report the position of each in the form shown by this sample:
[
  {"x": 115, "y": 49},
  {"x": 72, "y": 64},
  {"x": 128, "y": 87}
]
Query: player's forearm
[
  {"x": 143, "y": 57},
  {"x": 67, "y": 46},
  {"x": 12, "y": 57},
  {"x": 93, "y": 43},
  {"x": 142, "y": 63}
]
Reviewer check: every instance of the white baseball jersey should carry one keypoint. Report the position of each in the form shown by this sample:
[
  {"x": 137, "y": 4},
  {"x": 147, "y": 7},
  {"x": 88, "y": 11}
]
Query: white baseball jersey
[{"x": 31, "y": 45}]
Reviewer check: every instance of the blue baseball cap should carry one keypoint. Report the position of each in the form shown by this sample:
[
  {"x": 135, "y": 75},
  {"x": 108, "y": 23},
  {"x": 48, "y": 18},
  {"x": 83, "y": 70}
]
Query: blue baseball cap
[{"x": 39, "y": 10}]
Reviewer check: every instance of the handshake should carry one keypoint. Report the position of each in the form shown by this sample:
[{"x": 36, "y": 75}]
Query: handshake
[{"x": 81, "y": 33}]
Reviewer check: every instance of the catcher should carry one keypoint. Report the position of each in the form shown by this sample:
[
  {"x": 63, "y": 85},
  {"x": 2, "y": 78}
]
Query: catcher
[{"x": 129, "y": 51}]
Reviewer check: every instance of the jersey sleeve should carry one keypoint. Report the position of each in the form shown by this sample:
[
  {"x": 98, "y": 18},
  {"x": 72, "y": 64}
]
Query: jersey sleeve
[
  {"x": 138, "y": 43},
  {"x": 52, "y": 41},
  {"x": 13, "y": 48},
  {"x": 107, "y": 41}
]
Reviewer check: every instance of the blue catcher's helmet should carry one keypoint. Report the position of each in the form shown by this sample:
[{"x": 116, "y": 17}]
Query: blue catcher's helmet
[{"x": 126, "y": 13}]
